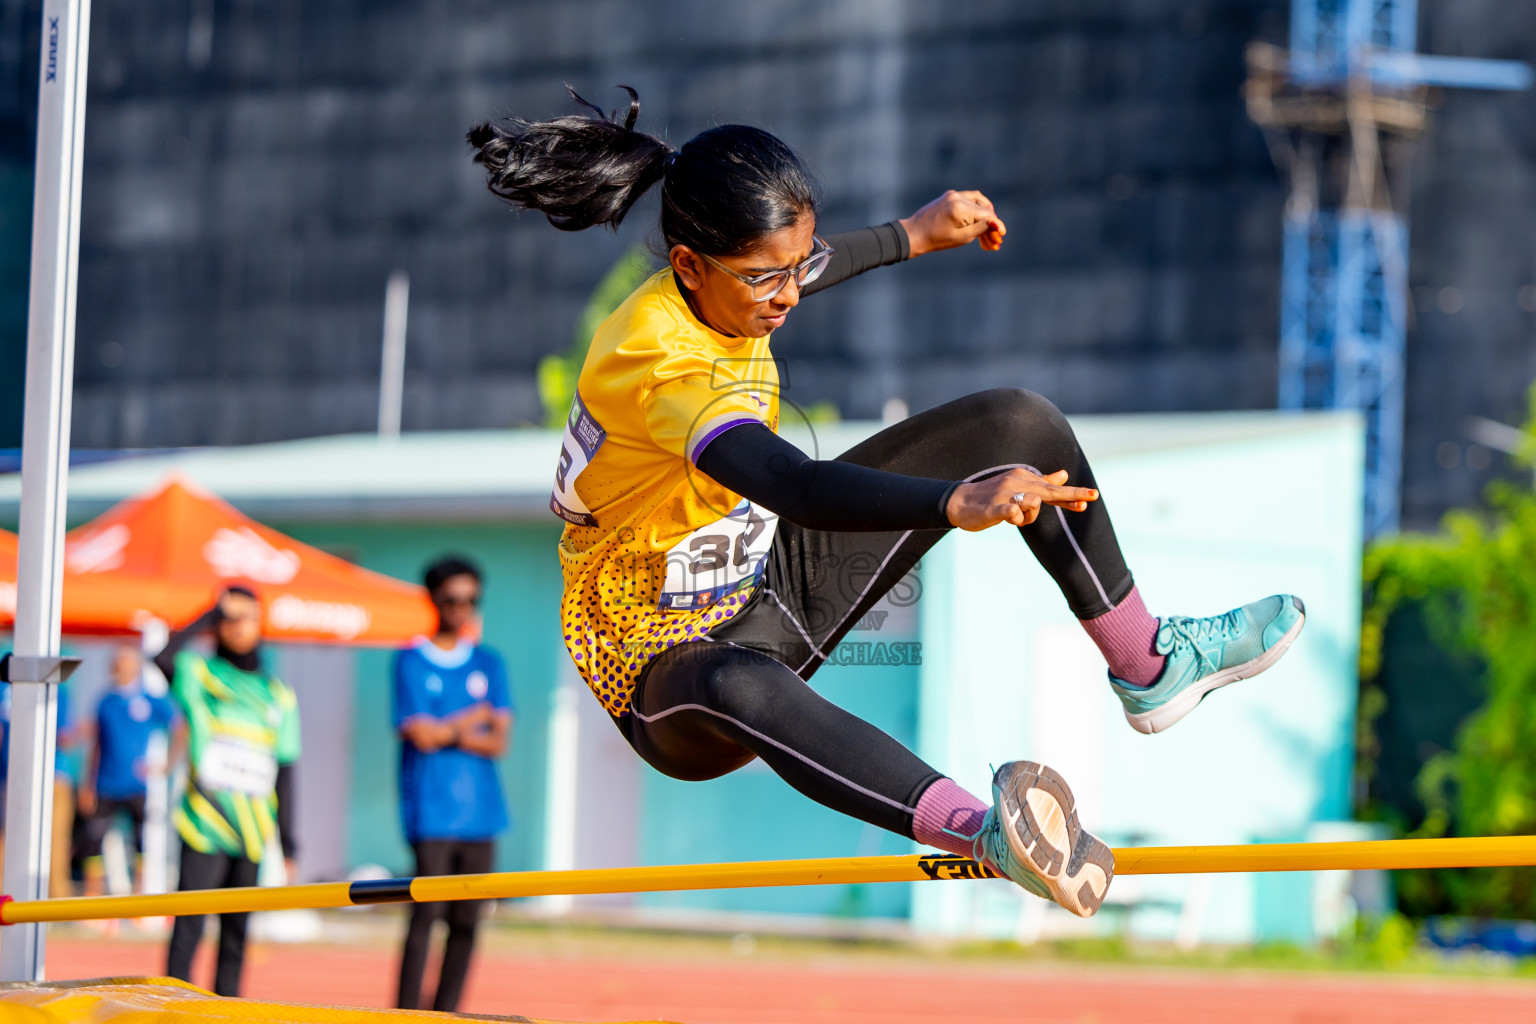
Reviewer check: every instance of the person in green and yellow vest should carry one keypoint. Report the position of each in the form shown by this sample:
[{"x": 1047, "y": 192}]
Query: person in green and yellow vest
[{"x": 242, "y": 743}]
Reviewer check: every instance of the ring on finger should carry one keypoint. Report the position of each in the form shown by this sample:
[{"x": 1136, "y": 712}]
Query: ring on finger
[{"x": 1018, "y": 499}]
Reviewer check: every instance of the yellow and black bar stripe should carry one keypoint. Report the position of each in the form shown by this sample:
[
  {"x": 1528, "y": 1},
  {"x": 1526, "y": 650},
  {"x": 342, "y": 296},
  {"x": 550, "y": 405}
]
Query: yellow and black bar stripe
[
  {"x": 1503, "y": 851},
  {"x": 380, "y": 890}
]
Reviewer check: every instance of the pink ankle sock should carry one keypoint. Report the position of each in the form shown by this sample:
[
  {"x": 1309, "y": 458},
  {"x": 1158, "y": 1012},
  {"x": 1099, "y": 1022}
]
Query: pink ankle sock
[
  {"x": 945, "y": 805},
  {"x": 1126, "y": 635}
]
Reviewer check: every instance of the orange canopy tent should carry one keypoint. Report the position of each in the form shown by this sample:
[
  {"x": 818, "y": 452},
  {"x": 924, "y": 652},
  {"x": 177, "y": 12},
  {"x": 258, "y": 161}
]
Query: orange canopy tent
[
  {"x": 166, "y": 556},
  {"x": 8, "y": 549}
]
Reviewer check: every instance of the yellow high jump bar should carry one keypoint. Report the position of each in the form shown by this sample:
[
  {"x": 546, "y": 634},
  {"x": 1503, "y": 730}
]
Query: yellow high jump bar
[{"x": 1504, "y": 851}]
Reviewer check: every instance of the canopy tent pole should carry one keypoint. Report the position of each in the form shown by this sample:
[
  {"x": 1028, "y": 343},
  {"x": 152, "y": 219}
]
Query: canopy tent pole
[{"x": 36, "y": 668}]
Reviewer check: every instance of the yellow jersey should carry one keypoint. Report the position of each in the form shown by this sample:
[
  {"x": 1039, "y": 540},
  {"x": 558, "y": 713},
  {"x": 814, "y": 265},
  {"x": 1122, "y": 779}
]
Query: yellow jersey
[{"x": 655, "y": 553}]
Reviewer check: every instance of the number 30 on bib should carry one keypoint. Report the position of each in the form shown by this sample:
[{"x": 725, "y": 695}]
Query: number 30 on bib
[{"x": 715, "y": 561}]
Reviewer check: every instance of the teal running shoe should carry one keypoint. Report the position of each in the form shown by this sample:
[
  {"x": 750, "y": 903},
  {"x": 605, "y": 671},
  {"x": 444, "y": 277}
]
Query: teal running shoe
[
  {"x": 1032, "y": 836},
  {"x": 1207, "y": 654}
]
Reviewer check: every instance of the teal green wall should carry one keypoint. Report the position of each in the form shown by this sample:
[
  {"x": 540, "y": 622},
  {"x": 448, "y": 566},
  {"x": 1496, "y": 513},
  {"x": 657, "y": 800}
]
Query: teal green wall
[
  {"x": 1205, "y": 526},
  {"x": 1006, "y": 672},
  {"x": 521, "y": 603}
]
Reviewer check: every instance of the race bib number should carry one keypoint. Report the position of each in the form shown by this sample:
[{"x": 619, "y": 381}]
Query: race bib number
[
  {"x": 232, "y": 766},
  {"x": 715, "y": 561},
  {"x": 583, "y": 437}
]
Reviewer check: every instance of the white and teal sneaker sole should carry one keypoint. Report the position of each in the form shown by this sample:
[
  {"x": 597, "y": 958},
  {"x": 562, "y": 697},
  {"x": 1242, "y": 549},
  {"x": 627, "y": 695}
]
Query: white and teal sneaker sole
[
  {"x": 1162, "y": 718},
  {"x": 1039, "y": 817}
]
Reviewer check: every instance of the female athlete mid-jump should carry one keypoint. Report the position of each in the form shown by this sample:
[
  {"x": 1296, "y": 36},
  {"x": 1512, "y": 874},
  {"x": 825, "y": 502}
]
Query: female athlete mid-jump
[{"x": 711, "y": 567}]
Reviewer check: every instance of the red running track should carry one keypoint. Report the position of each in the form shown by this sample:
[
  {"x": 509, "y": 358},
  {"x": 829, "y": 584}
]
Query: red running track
[{"x": 775, "y": 991}]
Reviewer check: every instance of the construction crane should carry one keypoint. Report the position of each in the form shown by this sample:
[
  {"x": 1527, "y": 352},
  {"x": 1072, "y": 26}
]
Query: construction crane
[{"x": 1339, "y": 109}]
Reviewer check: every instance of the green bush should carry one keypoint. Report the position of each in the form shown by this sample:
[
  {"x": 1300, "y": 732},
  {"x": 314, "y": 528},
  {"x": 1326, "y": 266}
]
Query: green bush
[{"x": 1476, "y": 581}]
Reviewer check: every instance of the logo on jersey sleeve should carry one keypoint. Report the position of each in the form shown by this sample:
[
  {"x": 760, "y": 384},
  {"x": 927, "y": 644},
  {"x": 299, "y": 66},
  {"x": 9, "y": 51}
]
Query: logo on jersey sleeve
[{"x": 583, "y": 437}]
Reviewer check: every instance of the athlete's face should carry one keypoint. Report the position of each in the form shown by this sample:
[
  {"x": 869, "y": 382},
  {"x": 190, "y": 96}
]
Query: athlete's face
[
  {"x": 726, "y": 304},
  {"x": 239, "y": 623}
]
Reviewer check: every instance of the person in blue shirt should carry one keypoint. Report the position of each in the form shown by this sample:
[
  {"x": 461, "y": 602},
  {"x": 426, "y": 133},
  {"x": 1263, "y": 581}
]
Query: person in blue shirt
[
  {"x": 114, "y": 782},
  {"x": 453, "y": 710}
]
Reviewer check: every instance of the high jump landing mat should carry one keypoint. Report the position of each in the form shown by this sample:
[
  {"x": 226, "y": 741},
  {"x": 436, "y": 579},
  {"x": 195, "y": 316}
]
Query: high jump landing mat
[{"x": 168, "y": 1001}]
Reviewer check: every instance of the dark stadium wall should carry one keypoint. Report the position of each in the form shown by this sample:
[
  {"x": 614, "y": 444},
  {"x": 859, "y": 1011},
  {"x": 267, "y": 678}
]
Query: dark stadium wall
[
  {"x": 255, "y": 171},
  {"x": 1472, "y": 218},
  {"x": 20, "y": 25}
]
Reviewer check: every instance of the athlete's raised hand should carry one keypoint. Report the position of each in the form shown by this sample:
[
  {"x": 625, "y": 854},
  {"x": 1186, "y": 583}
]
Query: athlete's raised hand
[
  {"x": 955, "y": 219},
  {"x": 1015, "y": 497}
]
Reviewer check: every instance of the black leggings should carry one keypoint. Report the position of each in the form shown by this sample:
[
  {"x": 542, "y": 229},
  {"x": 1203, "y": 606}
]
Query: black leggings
[
  {"x": 703, "y": 709},
  {"x": 101, "y": 822},
  {"x": 212, "y": 871},
  {"x": 443, "y": 857}
]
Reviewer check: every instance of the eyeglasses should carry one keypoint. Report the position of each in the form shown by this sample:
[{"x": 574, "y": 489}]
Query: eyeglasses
[
  {"x": 453, "y": 602},
  {"x": 766, "y": 286}
]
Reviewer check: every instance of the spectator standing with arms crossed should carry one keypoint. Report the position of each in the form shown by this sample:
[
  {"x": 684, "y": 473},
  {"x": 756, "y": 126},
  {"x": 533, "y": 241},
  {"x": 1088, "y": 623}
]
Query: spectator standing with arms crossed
[
  {"x": 243, "y": 740},
  {"x": 453, "y": 709}
]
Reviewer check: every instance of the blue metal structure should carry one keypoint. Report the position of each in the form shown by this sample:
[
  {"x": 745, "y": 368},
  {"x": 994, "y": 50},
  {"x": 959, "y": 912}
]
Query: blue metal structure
[{"x": 1351, "y": 75}]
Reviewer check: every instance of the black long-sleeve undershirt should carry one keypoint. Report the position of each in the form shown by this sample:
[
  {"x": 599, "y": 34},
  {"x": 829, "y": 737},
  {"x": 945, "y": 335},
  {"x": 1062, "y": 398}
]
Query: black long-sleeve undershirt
[
  {"x": 861, "y": 250},
  {"x": 817, "y": 494},
  {"x": 287, "y": 838},
  {"x": 762, "y": 467}
]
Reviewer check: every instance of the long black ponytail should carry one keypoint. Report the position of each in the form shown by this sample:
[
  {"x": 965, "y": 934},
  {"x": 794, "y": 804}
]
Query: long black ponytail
[{"x": 721, "y": 193}]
